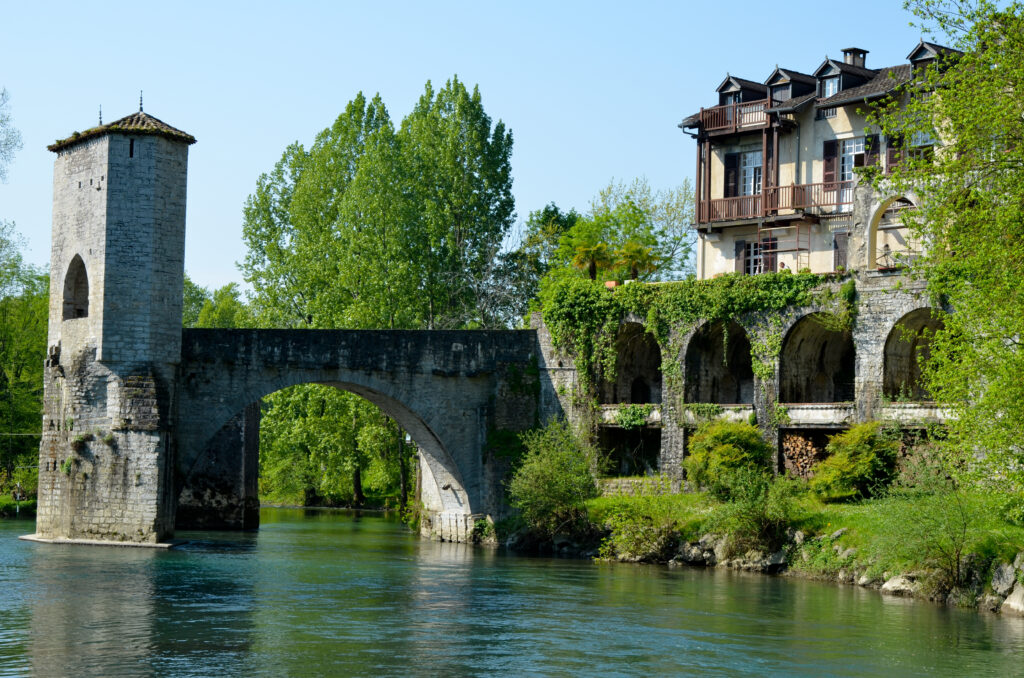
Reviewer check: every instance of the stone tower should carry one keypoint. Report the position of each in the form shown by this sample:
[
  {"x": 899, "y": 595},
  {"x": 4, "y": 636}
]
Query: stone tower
[{"x": 114, "y": 343}]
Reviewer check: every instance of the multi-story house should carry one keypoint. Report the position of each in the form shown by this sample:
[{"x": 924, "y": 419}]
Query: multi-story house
[{"x": 776, "y": 169}]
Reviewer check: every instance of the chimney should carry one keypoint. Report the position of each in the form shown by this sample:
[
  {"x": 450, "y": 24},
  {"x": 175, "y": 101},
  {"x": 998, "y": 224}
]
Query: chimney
[{"x": 855, "y": 56}]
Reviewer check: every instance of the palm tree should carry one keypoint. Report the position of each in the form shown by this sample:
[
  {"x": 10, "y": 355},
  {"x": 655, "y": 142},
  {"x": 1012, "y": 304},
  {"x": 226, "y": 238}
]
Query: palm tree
[
  {"x": 591, "y": 257},
  {"x": 638, "y": 258}
]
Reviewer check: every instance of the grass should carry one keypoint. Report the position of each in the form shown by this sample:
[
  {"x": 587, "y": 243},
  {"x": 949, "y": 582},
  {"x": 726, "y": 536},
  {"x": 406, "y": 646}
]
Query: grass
[{"x": 900, "y": 533}]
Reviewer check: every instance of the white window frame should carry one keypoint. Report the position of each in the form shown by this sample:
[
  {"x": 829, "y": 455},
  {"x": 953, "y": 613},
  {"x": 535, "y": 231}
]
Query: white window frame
[
  {"x": 848, "y": 148},
  {"x": 750, "y": 173},
  {"x": 829, "y": 86}
]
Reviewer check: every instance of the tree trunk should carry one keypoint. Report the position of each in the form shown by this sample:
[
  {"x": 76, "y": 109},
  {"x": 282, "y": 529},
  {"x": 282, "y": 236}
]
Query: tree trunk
[
  {"x": 592, "y": 269},
  {"x": 358, "y": 499}
]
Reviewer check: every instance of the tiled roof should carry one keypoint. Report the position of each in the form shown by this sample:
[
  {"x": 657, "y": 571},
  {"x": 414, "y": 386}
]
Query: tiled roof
[
  {"x": 136, "y": 123},
  {"x": 884, "y": 82},
  {"x": 847, "y": 68},
  {"x": 744, "y": 83},
  {"x": 794, "y": 76},
  {"x": 690, "y": 121},
  {"x": 794, "y": 104}
]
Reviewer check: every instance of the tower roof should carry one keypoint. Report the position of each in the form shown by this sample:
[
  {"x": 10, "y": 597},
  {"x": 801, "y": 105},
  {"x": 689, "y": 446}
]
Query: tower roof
[{"x": 136, "y": 123}]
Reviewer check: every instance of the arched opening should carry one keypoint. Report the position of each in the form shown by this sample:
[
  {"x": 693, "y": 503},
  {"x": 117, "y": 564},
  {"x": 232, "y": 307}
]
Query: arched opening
[
  {"x": 637, "y": 368},
  {"x": 906, "y": 347},
  {"x": 817, "y": 362},
  {"x": 321, "y": 444},
  {"x": 890, "y": 242},
  {"x": 718, "y": 365},
  {"x": 76, "y": 290}
]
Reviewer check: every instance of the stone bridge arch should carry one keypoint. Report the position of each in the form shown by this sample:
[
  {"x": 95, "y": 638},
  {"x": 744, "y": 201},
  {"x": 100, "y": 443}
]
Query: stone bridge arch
[{"x": 439, "y": 386}]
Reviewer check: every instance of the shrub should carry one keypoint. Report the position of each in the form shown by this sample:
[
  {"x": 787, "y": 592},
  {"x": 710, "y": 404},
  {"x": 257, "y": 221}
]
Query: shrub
[
  {"x": 554, "y": 479},
  {"x": 861, "y": 462},
  {"x": 720, "y": 447},
  {"x": 760, "y": 511}
]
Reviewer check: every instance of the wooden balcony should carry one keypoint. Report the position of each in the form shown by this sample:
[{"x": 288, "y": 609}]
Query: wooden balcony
[
  {"x": 773, "y": 200},
  {"x": 731, "y": 118}
]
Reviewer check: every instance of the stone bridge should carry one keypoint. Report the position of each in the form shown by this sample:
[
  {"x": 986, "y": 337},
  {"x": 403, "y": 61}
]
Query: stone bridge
[{"x": 446, "y": 389}]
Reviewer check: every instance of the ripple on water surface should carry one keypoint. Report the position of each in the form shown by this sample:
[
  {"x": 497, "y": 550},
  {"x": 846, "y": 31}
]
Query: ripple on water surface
[{"x": 326, "y": 592}]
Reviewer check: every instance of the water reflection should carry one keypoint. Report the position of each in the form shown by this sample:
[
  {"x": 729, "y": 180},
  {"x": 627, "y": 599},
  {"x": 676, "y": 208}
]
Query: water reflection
[{"x": 332, "y": 593}]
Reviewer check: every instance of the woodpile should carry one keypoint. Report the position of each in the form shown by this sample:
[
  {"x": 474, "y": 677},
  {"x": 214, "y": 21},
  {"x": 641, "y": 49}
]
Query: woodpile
[{"x": 801, "y": 450}]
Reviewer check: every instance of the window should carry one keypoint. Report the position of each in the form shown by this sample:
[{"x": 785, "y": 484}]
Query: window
[
  {"x": 829, "y": 86},
  {"x": 780, "y": 93},
  {"x": 760, "y": 257},
  {"x": 847, "y": 149},
  {"x": 750, "y": 173},
  {"x": 76, "y": 290}
]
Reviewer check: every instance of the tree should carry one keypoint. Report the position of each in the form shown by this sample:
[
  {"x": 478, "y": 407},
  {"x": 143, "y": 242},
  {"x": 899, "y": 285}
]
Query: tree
[
  {"x": 632, "y": 231},
  {"x": 24, "y": 298},
  {"x": 193, "y": 299},
  {"x": 971, "y": 216},
  {"x": 10, "y": 137},
  {"x": 225, "y": 309},
  {"x": 374, "y": 228}
]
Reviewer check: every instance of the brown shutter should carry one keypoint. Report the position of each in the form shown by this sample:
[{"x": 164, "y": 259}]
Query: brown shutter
[
  {"x": 840, "y": 246},
  {"x": 732, "y": 174},
  {"x": 830, "y": 155},
  {"x": 872, "y": 146},
  {"x": 893, "y": 152},
  {"x": 741, "y": 256}
]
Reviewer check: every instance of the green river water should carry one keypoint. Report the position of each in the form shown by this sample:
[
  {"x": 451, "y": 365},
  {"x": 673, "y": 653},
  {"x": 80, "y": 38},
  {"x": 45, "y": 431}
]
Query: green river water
[{"x": 334, "y": 593}]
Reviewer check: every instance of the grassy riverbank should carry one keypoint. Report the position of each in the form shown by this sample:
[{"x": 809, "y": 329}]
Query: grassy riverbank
[{"x": 948, "y": 544}]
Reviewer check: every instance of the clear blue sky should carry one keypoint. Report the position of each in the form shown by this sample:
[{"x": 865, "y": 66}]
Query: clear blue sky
[{"x": 590, "y": 90}]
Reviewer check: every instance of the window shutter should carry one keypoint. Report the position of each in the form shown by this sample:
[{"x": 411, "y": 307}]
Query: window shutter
[
  {"x": 741, "y": 256},
  {"x": 871, "y": 148},
  {"x": 732, "y": 174},
  {"x": 830, "y": 155},
  {"x": 893, "y": 152}
]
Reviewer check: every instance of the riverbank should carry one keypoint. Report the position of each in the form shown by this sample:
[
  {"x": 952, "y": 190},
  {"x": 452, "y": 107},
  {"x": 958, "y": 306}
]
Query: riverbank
[
  {"x": 953, "y": 548},
  {"x": 9, "y": 508}
]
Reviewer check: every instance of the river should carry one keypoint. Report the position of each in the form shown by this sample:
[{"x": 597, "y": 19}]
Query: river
[{"x": 335, "y": 593}]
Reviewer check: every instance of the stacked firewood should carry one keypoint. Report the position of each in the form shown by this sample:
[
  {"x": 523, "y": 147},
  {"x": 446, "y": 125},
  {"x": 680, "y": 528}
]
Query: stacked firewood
[{"x": 800, "y": 454}]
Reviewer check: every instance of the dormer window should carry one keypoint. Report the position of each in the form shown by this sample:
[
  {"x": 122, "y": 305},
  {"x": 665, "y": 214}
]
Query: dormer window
[
  {"x": 829, "y": 86},
  {"x": 781, "y": 93}
]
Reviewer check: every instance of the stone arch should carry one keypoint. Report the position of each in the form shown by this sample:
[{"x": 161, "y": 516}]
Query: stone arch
[
  {"x": 887, "y": 238},
  {"x": 718, "y": 366},
  {"x": 76, "y": 290},
  {"x": 445, "y": 492},
  {"x": 908, "y": 343},
  {"x": 637, "y": 367},
  {"x": 817, "y": 363}
]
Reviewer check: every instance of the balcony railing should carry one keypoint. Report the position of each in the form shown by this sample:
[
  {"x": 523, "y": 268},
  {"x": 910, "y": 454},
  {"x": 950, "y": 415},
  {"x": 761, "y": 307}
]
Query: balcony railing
[
  {"x": 831, "y": 196},
  {"x": 734, "y": 117}
]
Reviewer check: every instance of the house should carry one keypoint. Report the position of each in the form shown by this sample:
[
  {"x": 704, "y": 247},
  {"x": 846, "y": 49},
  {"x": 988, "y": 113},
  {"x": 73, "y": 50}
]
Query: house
[{"x": 776, "y": 160}]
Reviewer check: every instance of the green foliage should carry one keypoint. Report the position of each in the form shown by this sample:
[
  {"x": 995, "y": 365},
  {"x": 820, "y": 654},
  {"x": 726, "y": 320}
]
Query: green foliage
[
  {"x": 505, "y": 444},
  {"x": 636, "y": 536},
  {"x": 719, "y": 448},
  {"x": 225, "y": 309},
  {"x": 554, "y": 479},
  {"x": 759, "y": 511},
  {"x": 861, "y": 463},
  {"x": 24, "y": 296},
  {"x": 584, "y": 316},
  {"x": 10, "y": 137},
  {"x": 971, "y": 213},
  {"x": 633, "y": 416},
  {"x": 704, "y": 411},
  {"x": 66, "y": 465}
]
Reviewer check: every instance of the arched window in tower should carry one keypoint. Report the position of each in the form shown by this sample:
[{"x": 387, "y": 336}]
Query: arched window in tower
[{"x": 76, "y": 290}]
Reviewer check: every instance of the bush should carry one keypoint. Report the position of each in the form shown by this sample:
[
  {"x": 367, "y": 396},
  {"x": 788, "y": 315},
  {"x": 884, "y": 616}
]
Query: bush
[
  {"x": 718, "y": 448},
  {"x": 554, "y": 480},
  {"x": 760, "y": 511},
  {"x": 861, "y": 463}
]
